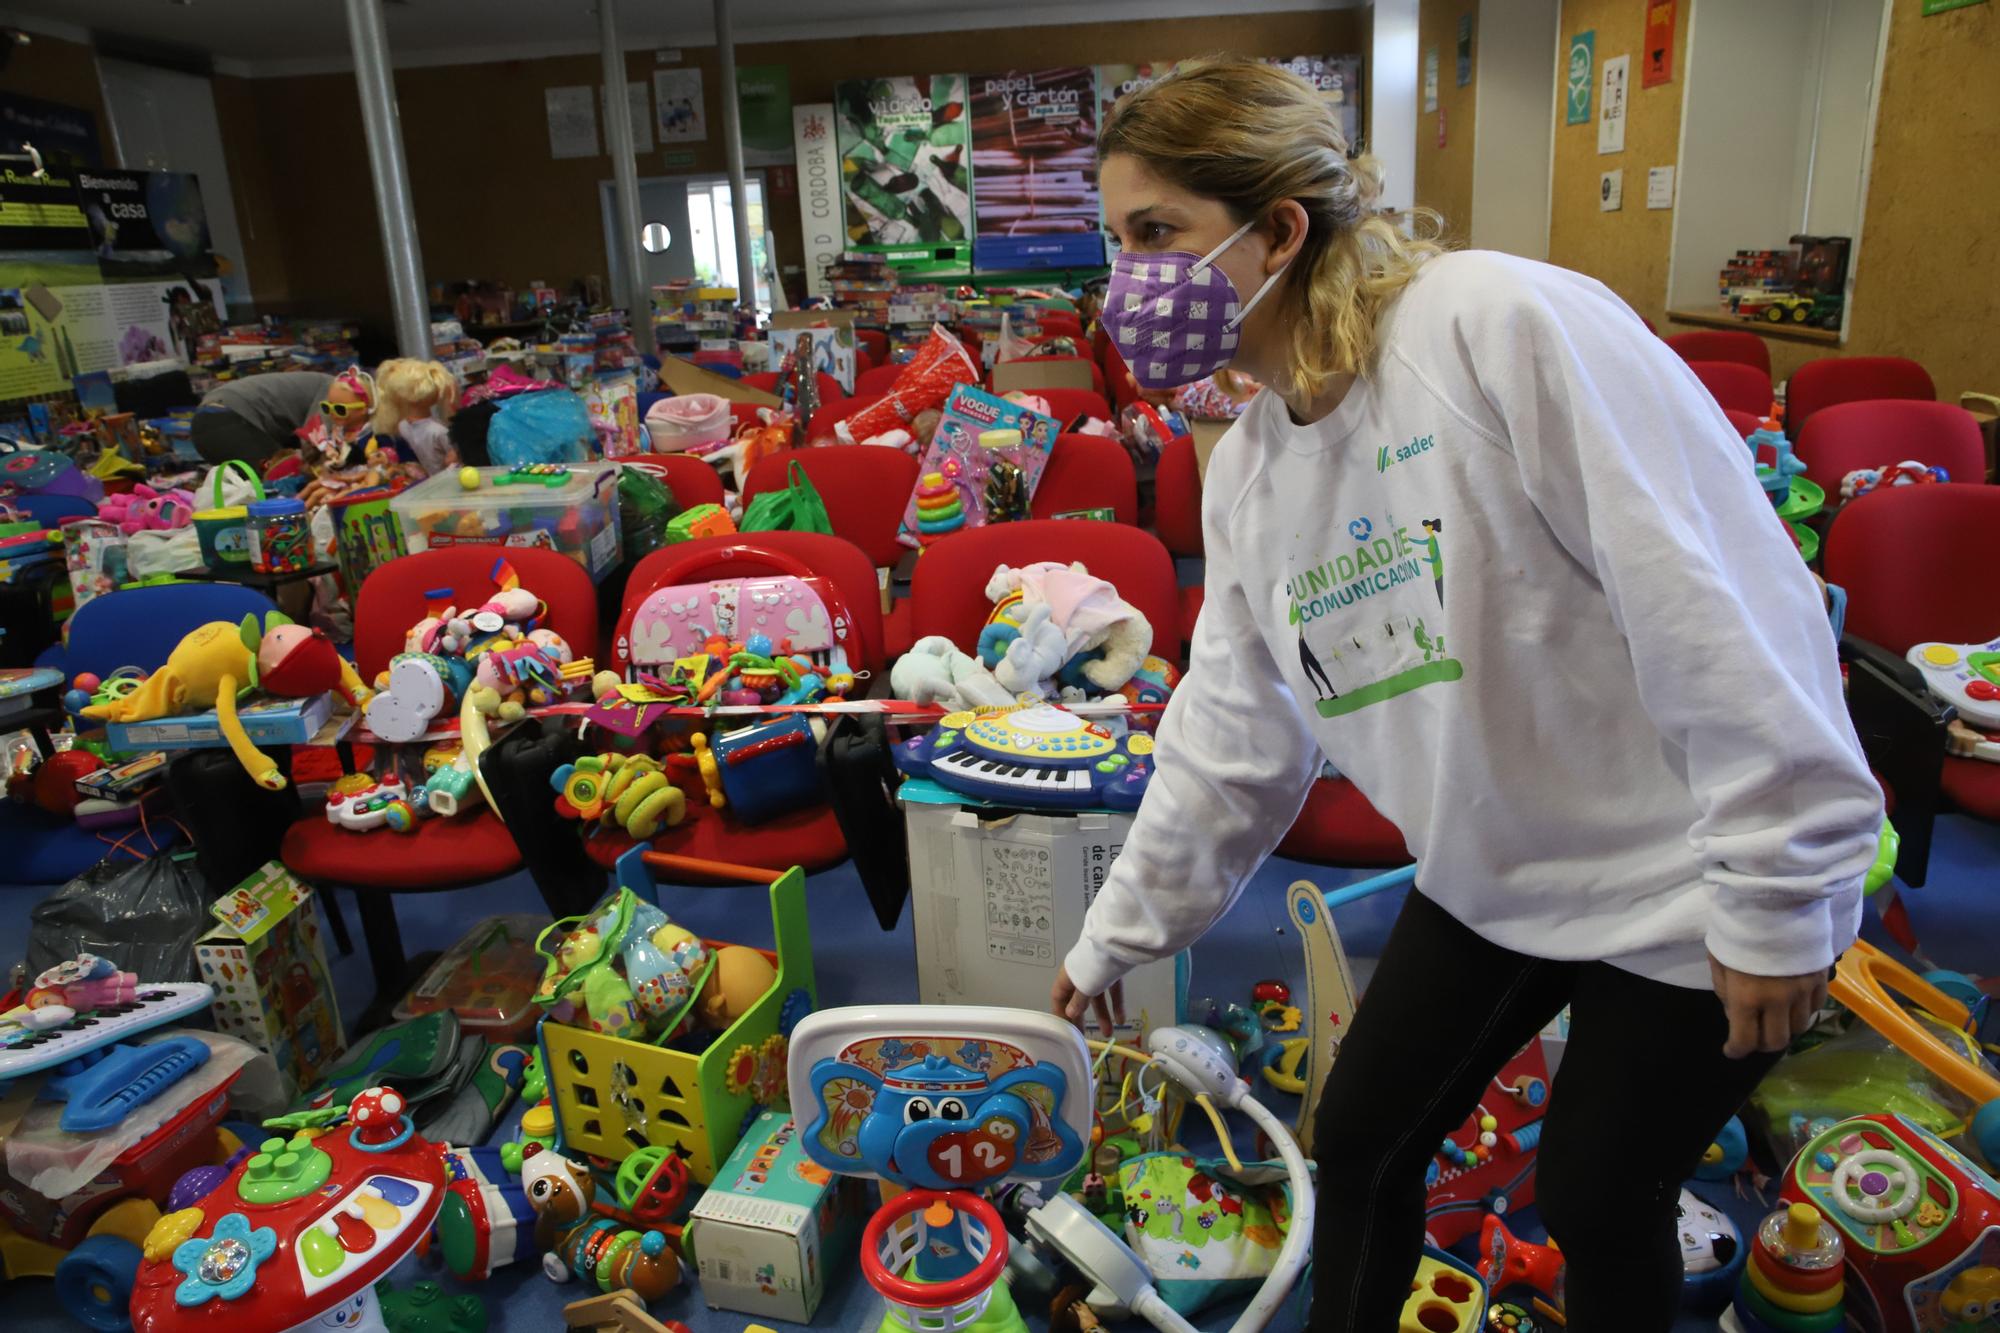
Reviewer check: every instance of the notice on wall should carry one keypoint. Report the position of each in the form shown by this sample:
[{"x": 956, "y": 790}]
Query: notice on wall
[
  {"x": 1464, "y": 49},
  {"x": 820, "y": 222},
  {"x": 1580, "y": 77},
  {"x": 1657, "y": 59},
  {"x": 1611, "y": 190},
  {"x": 572, "y": 122},
  {"x": 1034, "y": 155},
  {"x": 1611, "y": 102},
  {"x": 1431, "y": 79},
  {"x": 1659, "y": 187},
  {"x": 682, "y": 116},
  {"x": 642, "y": 117},
  {"x": 764, "y": 107},
  {"x": 65, "y": 136},
  {"x": 905, "y": 148}
]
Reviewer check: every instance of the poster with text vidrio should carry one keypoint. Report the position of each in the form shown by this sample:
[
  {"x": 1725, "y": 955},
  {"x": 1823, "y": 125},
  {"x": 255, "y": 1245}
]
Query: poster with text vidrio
[
  {"x": 1034, "y": 169},
  {"x": 101, "y": 270},
  {"x": 906, "y": 169}
]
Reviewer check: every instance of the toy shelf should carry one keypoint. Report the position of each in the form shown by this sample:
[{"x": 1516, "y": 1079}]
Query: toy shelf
[{"x": 1722, "y": 319}]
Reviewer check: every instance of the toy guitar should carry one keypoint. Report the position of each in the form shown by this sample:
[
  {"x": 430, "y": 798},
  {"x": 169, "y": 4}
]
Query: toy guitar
[
  {"x": 1967, "y": 676},
  {"x": 1040, "y": 755}
]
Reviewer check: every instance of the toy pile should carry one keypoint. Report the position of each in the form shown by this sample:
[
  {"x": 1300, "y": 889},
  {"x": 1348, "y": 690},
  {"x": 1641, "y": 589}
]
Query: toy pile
[{"x": 1909, "y": 472}]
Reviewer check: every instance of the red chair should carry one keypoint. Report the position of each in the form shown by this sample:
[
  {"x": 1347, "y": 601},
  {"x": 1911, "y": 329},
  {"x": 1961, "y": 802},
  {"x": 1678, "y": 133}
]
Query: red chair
[
  {"x": 820, "y": 428},
  {"x": 743, "y": 414},
  {"x": 876, "y": 382},
  {"x": 877, "y": 343},
  {"x": 440, "y": 854},
  {"x": 767, "y": 380},
  {"x": 1096, "y": 371},
  {"x": 1903, "y": 556},
  {"x": 1745, "y": 422},
  {"x": 863, "y": 363},
  {"x": 1086, "y": 472},
  {"x": 1722, "y": 345},
  {"x": 1847, "y": 379},
  {"x": 809, "y": 838},
  {"x": 1064, "y": 322},
  {"x": 865, "y": 488},
  {"x": 694, "y": 481},
  {"x": 1338, "y": 827},
  {"x": 948, "y": 592},
  {"x": 1177, "y": 516},
  {"x": 1119, "y": 376},
  {"x": 1066, "y": 405},
  {"x": 1735, "y": 385},
  {"x": 1882, "y": 431}
]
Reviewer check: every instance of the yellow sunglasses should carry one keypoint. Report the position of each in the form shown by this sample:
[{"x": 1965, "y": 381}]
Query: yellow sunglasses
[{"x": 341, "y": 410}]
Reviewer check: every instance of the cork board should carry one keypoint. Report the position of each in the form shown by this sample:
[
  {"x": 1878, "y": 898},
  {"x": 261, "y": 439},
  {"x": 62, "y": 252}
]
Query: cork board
[
  {"x": 1627, "y": 250},
  {"x": 1444, "y": 175}
]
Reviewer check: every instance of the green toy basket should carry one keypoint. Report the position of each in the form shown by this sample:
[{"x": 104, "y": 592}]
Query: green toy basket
[{"x": 613, "y": 1097}]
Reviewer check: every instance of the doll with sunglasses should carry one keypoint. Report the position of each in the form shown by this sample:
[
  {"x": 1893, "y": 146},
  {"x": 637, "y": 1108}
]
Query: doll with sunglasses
[{"x": 341, "y": 450}]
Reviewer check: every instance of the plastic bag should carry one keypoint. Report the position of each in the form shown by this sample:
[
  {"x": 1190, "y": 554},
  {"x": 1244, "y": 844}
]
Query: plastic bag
[
  {"x": 939, "y": 366},
  {"x": 796, "y": 508},
  {"x": 227, "y": 484},
  {"x": 142, "y": 915},
  {"x": 645, "y": 503},
  {"x": 547, "y": 426},
  {"x": 152, "y": 553}
]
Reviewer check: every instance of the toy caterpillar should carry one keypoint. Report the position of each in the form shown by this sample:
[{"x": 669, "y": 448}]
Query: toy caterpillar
[
  {"x": 577, "y": 1242},
  {"x": 619, "y": 791}
]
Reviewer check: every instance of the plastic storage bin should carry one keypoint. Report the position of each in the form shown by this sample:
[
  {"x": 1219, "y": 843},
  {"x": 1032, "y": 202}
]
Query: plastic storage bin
[
  {"x": 573, "y": 510},
  {"x": 613, "y": 1097},
  {"x": 488, "y": 979}
]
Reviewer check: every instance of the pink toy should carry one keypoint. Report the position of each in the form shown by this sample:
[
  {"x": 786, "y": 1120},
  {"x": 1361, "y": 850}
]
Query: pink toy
[
  {"x": 85, "y": 982},
  {"x": 143, "y": 508}
]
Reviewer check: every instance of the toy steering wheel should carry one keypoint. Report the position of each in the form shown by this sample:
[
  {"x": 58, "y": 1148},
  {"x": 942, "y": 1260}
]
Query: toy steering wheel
[
  {"x": 934, "y": 1295},
  {"x": 1862, "y": 1184}
]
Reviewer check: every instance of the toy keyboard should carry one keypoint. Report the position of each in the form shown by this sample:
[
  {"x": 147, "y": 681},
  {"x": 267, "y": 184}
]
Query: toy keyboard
[
  {"x": 26, "y": 1050},
  {"x": 1966, "y": 675},
  {"x": 1041, "y": 755}
]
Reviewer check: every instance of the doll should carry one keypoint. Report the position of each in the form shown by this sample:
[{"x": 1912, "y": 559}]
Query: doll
[{"x": 414, "y": 399}]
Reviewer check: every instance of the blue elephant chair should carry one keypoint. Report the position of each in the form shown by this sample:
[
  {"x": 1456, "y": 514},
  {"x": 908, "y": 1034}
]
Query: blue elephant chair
[{"x": 136, "y": 627}]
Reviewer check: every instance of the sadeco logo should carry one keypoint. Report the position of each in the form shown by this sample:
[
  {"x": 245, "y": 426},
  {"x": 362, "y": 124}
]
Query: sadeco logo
[{"x": 1386, "y": 456}]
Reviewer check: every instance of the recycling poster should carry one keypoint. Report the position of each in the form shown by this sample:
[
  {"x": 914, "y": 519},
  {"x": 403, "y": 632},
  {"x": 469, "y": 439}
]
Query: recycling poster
[
  {"x": 906, "y": 163},
  {"x": 98, "y": 270}
]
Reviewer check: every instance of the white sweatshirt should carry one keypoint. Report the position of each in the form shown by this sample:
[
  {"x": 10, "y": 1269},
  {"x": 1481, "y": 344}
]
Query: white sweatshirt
[{"x": 1522, "y": 588}]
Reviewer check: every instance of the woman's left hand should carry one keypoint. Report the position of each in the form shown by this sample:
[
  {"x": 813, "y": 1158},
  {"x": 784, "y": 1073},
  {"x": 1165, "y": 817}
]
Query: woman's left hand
[{"x": 1765, "y": 1013}]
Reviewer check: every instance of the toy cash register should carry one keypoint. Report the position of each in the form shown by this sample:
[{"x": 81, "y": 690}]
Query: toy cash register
[{"x": 1041, "y": 755}]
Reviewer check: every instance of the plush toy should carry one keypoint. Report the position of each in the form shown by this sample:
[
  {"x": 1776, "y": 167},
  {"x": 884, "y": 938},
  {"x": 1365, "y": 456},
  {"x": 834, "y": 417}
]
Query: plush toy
[
  {"x": 218, "y": 661},
  {"x": 1053, "y": 621},
  {"x": 144, "y": 509},
  {"x": 934, "y": 671}
]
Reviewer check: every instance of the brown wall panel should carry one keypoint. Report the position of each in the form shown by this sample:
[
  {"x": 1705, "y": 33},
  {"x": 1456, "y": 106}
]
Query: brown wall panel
[{"x": 1444, "y": 175}]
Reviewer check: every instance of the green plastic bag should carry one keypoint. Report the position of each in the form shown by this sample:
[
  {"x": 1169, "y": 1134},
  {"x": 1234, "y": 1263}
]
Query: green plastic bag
[{"x": 797, "y": 508}]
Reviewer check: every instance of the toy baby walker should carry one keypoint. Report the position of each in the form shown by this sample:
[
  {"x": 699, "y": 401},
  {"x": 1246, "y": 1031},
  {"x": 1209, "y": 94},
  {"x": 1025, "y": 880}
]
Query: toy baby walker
[
  {"x": 950, "y": 1102},
  {"x": 296, "y": 1235}
]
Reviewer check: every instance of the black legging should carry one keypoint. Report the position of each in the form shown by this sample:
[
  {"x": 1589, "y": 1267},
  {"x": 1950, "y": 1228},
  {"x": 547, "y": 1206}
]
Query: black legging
[{"x": 1642, "y": 1088}]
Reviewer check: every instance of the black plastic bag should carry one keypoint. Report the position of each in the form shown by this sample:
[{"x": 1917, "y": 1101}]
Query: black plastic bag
[{"x": 143, "y": 916}]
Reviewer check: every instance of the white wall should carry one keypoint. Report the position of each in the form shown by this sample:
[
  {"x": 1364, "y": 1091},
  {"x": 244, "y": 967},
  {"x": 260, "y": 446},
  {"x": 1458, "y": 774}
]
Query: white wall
[
  {"x": 165, "y": 121},
  {"x": 1774, "y": 130},
  {"x": 1392, "y": 100},
  {"x": 1514, "y": 126}
]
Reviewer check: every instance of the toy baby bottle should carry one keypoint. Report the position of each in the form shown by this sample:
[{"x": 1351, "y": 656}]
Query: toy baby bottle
[{"x": 1794, "y": 1280}]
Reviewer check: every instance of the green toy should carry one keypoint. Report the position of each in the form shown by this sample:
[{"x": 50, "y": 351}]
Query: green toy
[{"x": 425, "y": 1308}]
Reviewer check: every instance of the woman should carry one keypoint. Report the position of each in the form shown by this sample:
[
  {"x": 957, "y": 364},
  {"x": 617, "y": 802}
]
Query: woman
[
  {"x": 1614, "y": 738},
  {"x": 257, "y": 416}
]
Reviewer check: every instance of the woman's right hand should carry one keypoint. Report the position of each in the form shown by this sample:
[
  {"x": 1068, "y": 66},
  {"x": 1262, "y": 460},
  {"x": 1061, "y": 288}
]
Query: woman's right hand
[{"x": 1073, "y": 1004}]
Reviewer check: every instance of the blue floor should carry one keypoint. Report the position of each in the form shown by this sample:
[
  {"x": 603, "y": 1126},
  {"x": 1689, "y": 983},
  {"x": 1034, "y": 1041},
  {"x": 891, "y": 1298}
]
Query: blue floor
[{"x": 1956, "y": 915}]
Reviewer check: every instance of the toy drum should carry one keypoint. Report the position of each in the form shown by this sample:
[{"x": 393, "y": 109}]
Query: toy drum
[{"x": 278, "y": 540}]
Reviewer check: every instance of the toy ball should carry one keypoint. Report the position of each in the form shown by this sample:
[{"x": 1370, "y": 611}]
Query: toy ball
[
  {"x": 400, "y": 816},
  {"x": 1712, "y": 1254},
  {"x": 55, "y": 779},
  {"x": 87, "y": 681},
  {"x": 468, "y": 477},
  {"x": 76, "y": 700},
  {"x": 758, "y": 645}
]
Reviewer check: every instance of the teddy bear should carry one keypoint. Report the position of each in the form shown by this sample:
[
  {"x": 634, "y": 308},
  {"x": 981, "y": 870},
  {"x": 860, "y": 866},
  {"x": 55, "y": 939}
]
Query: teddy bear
[
  {"x": 1055, "y": 625},
  {"x": 934, "y": 671}
]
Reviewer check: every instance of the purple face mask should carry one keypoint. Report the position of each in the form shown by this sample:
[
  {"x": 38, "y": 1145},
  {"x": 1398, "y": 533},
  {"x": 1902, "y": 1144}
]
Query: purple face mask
[{"x": 1174, "y": 316}]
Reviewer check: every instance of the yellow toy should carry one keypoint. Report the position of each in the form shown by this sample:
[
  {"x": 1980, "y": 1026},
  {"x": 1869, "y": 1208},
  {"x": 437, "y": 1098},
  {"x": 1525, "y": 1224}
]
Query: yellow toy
[
  {"x": 740, "y": 978},
  {"x": 619, "y": 791},
  {"x": 217, "y": 662}
]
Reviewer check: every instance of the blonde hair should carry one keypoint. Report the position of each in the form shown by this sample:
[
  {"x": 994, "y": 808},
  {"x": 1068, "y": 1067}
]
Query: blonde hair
[
  {"x": 404, "y": 385},
  {"x": 1253, "y": 135}
]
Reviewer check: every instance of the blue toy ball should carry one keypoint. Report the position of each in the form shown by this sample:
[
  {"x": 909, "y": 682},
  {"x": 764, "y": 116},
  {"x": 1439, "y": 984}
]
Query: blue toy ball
[
  {"x": 1986, "y": 1131},
  {"x": 758, "y": 644},
  {"x": 75, "y": 701}
]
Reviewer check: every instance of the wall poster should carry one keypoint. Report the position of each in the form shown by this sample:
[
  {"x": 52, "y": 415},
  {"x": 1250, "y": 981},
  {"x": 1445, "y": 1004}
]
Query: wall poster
[
  {"x": 1034, "y": 157},
  {"x": 906, "y": 162}
]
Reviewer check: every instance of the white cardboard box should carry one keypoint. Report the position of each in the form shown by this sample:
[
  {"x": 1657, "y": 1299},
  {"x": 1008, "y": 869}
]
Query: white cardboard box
[{"x": 997, "y": 900}]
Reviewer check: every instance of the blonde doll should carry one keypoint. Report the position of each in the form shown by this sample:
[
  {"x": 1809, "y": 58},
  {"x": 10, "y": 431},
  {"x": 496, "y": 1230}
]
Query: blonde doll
[{"x": 413, "y": 401}]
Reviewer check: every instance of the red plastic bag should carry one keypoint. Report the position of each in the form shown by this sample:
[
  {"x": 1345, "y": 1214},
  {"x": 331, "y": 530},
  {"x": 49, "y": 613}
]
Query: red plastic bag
[{"x": 940, "y": 365}]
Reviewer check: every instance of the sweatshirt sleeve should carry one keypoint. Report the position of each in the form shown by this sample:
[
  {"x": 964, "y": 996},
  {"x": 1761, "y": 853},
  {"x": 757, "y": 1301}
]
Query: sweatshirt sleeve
[
  {"x": 1233, "y": 762},
  {"x": 1644, "y": 482}
]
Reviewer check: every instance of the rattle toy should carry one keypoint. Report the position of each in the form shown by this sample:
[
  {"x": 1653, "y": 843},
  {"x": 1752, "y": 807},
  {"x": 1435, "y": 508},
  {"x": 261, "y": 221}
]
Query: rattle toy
[
  {"x": 578, "y": 1243},
  {"x": 377, "y": 805},
  {"x": 619, "y": 791},
  {"x": 296, "y": 1235},
  {"x": 1041, "y": 755}
]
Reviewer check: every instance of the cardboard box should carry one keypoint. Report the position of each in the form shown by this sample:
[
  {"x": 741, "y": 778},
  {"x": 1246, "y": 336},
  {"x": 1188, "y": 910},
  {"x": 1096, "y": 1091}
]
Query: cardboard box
[
  {"x": 833, "y": 340},
  {"x": 265, "y": 722},
  {"x": 770, "y": 1226},
  {"x": 684, "y": 376},
  {"x": 1032, "y": 375},
  {"x": 267, "y": 962},
  {"x": 997, "y": 901}
]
